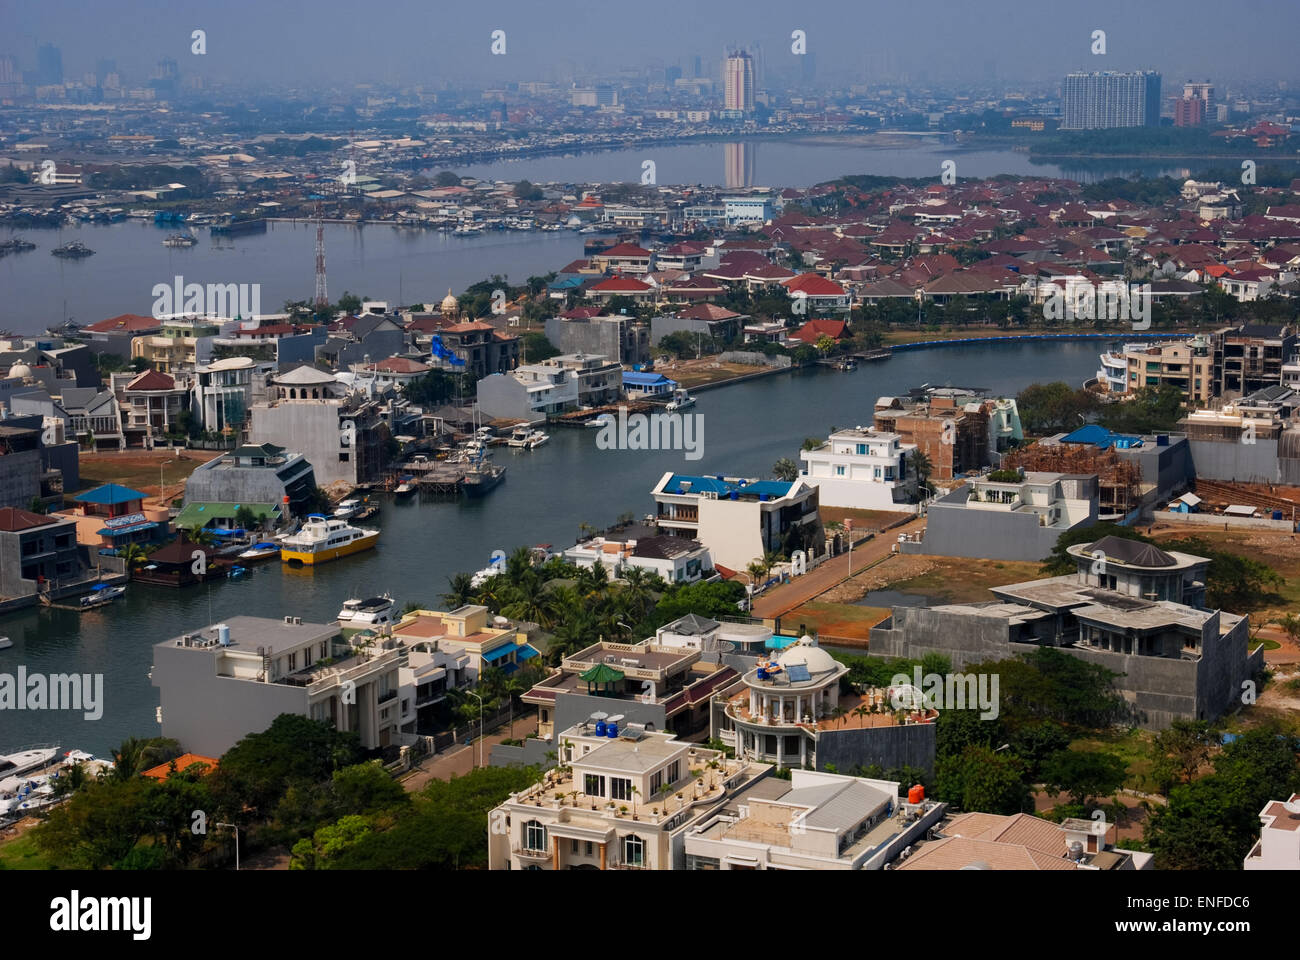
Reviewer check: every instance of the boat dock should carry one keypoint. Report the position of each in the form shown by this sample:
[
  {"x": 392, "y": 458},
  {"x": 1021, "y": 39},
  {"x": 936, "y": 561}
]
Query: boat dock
[
  {"x": 579, "y": 418},
  {"x": 434, "y": 477}
]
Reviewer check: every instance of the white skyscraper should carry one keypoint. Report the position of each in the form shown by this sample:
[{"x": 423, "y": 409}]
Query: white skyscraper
[{"x": 738, "y": 75}]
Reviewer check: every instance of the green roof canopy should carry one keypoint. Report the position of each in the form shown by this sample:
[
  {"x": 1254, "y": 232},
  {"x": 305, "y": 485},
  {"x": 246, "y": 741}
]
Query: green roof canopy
[
  {"x": 601, "y": 673},
  {"x": 200, "y": 514}
]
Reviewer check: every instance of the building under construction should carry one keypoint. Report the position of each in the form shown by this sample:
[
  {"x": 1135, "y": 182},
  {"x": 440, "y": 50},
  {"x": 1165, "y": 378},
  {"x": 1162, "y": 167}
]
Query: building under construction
[{"x": 1119, "y": 480}]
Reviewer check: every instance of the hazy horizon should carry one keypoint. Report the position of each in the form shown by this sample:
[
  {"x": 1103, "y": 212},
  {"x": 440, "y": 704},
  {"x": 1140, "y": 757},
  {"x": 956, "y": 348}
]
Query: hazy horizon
[{"x": 336, "y": 44}]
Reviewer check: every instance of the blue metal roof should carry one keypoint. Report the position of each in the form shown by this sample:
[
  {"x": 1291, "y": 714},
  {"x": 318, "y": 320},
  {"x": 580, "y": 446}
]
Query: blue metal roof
[
  {"x": 1101, "y": 438},
  {"x": 109, "y": 494},
  {"x": 502, "y": 651},
  {"x": 640, "y": 378},
  {"x": 130, "y": 528},
  {"x": 527, "y": 652},
  {"x": 772, "y": 488}
]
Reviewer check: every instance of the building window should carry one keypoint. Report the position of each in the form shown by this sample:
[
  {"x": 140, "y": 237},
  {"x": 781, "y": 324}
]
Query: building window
[
  {"x": 656, "y": 781},
  {"x": 702, "y": 863},
  {"x": 620, "y": 788},
  {"x": 839, "y": 471},
  {"x": 534, "y": 836},
  {"x": 593, "y": 785},
  {"x": 634, "y": 850}
]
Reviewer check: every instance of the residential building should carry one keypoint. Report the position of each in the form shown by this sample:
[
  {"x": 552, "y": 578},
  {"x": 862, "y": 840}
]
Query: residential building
[
  {"x": 482, "y": 349},
  {"x": 1278, "y": 847},
  {"x": 112, "y": 516},
  {"x": 152, "y": 403},
  {"x": 224, "y": 392},
  {"x": 1101, "y": 100},
  {"x": 486, "y": 641},
  {"x": 627, "y": 797},
  {"x": 264, "y": 477},
  {"x": 94, "y": 417},
  {"x": 340, "y": 433},
  {"x": 1131, "y": 608},
  {"x": 950, "y": 426},
  {"x": 663, "y": 687},
  {"x": 616, "y": 337},
  {"x": 223, "y": 682},
  {"x": 1008, "y": 519},
  {"x": 813, "y": 821},
  {"x": 115, "y": 335},
  {"x": 1251, "y": 440},
  {"x": 1251, "y": 357},
  {"x": 702, "y": 319},
  {"x": 676, "y": 559},
  {"x": 176, "y": 346},
  {"x": 990, "y": 841},
  {"x": 39, "y": 554},
  {"x": 740, "y": 519},
  {"x": 863, "y": 469}
]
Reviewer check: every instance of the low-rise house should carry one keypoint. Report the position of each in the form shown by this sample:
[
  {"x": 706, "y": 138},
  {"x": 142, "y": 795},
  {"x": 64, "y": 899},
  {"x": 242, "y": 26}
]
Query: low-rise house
[
  {"x": 270, "y": 480},
  {"x": 813, "y": 821},
  {"x": 1131, "y": 607},
  {"x": 39, "y": 554},
  {"x": 740, "y": 519},
  {"x": 622, "y": 798},
  {"x": 863, "y": 469},
  {"x": 111, "y": 517},
  {"x": 1008, "y": 516},
  {"x": 152, "y": 402},
  {"x": 487, "y": 641},
  {"x": 1278, "y": 847},
  {"x": 989, "y": 841}
]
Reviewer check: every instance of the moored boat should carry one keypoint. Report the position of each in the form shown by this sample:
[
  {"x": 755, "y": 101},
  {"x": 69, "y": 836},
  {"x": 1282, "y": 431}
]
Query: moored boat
[
  {"x": 101, "y": 594},
  {"x": 259, "y": 551},
  {"x": 323, "y": 539},
  {"x": 371, "y": 612}
]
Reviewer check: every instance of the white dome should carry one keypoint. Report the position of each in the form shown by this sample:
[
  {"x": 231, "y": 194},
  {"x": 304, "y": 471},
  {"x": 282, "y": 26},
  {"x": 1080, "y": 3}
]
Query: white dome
[
  {"x": 815, "y": 658},
  {"x": 449, "y": 302},
  {"x": 19, "y": 371}
]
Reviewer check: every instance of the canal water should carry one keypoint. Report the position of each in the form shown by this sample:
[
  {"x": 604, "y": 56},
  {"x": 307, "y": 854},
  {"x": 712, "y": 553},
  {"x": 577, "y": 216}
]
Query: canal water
[{"x": 546, "y": 495}]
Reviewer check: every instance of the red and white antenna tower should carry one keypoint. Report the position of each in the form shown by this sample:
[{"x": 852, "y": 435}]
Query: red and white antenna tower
[{"x": 322, "y": 294}]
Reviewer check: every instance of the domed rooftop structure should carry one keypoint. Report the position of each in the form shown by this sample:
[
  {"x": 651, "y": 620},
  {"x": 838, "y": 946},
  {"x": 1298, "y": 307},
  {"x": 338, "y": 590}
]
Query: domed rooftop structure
[
  {"x": 19, "y": 371},
  {"x": 1132, "y": 552},
  {"x": 809, "y": 654},
  {"x": 450, "y": 305}
]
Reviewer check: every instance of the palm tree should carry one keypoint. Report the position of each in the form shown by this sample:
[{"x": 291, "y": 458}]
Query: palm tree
[
  {"x": 636, "y": 591},
  {"x": 202, "y": 537},
  {"x": 756, "y": 571},
  {"x": 511, "y": 688},
  {"x": 462, "y": 590},
  {"x": 770, "y": 559},
  {"x": 133, "y": 555},
  {"x": 862, "y": 711},
  {"x": 785, "y": 469},
  {"x": 921, "y": 463}
]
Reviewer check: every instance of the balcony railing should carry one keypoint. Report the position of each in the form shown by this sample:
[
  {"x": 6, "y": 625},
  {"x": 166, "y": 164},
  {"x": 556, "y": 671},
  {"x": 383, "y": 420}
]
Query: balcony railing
[{"x": 529, "y": 853}]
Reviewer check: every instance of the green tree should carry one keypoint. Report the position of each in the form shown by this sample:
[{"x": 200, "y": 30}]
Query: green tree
[
  {"x": 984, "y": 780},
  {"x": 1083, "y": 774},
  {"x": 1180, "y": 751},
  {"x": 786, "y": 470}
]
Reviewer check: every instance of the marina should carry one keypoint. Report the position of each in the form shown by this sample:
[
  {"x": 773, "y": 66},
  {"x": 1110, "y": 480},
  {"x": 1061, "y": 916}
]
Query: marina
[{"x": 548, "y": 494}]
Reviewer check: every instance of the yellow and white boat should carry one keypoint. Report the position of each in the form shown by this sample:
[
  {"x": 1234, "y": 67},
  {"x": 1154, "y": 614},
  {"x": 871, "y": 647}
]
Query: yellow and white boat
[{"x": 323, "y": 539}]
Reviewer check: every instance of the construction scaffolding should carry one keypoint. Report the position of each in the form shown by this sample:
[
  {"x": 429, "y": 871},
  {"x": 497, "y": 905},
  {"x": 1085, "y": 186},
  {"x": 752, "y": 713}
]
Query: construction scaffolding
[{"x": 1119, "y": 480}]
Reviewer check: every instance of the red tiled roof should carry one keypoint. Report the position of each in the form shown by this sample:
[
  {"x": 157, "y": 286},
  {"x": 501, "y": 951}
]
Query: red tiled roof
[
  {"x": 621, "y": 283},
  {"x": 815, "y": 285},
  {"x": 13, "y": 519},
  {"x": 624, "y": 250},
  {"x": 125, "y": 323},
  {"x": 152, "y": 380}
]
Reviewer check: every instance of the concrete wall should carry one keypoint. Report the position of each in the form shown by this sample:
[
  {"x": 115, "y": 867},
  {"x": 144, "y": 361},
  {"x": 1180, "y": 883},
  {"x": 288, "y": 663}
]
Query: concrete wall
[
  {"x": 1215, "y": 520},
  {"x": 20, "y": 478},
  {"x": 312, "y": 429},
  {"x": 954, "y": 530},
  {"x": 911, "y": 746},
  {"x": 1170, "y": 467},
  {"x": 1236, "y": 462},
  {"x": 209, "y": 714},
  {"x": 531, "y": 754}
]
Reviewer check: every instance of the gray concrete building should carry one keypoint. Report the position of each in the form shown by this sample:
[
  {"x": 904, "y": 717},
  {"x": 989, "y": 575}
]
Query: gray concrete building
[
  {"x": 616, "y": 337},
  {"x": 223, "y": 682},
  {"x": 253, "y": 474},
  {"x": 1130, "y": 607}
]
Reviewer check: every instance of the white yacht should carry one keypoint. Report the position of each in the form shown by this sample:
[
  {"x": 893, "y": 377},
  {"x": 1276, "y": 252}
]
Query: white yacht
[
  {"x": 378, "y": 611},
  {"x": 681, "y": 400},
  {"x": 5, "y": 643},
  {"x": 536, "y": 439},
  {"x": 323, "y": 539},
  {"x": 25, "y": 761},
  {"x": 519, "y": 436},
  {"x": 347, "y": 509}
]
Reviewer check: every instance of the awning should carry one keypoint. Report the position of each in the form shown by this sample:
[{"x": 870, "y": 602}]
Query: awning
[
  {"x": 118, "y": 531},
  {"x": 526, "y": 652},
  {"x": 502, "y": 651},
  {"x": 601, "y": 673}
]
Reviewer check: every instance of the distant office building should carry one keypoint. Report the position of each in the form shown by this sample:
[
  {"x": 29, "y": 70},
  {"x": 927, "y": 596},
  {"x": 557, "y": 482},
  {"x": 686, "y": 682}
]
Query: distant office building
[
  {"x": 1203, "y": 92},
  {"x": 1098, "y": 101},
  {"x": 1189, "y": 112},
  {"x": 738, "y": 78},
  {"x": 49, "y": 65}
]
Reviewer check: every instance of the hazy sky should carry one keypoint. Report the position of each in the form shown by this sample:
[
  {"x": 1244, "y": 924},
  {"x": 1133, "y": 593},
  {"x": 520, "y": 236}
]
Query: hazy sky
[{"x": 341, "y": 42}]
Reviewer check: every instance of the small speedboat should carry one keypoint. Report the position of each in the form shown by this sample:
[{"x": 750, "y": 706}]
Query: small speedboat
[
  {"x": 536, "y": 439},
  {"x": 260, "y": 551},
  {"x": 5, "y": 643},
  {"x": 347, "y": 509},
  {"x": 681, "y": 401},
  {"x": 236, "y": 571},
  {"x": 600, "y": 421},
  {"x": 405, "y": 488},
  {"x": 101, "y": 594}
]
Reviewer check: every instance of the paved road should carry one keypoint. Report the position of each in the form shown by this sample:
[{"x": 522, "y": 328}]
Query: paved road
[
  {"x": 779, "y": 601},
  {"x": 460, "y": 760}
]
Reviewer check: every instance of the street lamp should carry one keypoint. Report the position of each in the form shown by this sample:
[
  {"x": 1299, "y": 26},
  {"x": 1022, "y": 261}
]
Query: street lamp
[
  {"x": 236, "y": 832},
  {"x": 480, "y": 725},
  {"x": 162, "y": 495}
]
